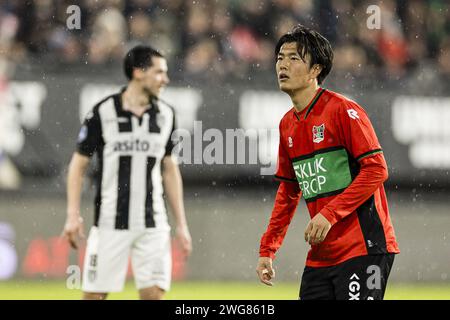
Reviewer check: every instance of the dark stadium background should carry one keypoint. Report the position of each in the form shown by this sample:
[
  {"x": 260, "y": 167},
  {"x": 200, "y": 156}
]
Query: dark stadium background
[{"x": 221, "y": 66}]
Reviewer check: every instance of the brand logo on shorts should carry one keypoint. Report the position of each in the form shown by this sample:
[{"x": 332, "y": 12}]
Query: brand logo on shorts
[
  {"x": 318, "y": 133},
  {"x": 354, "y": 287},
  {"x": 92, "y": 274},
  {"x": 372, "y": 283},
  {"x": 93, "y": 260}
]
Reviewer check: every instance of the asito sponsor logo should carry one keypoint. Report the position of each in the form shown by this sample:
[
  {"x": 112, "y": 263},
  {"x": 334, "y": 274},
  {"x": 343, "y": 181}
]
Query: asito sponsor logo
[{"x": 135, "y": 145}]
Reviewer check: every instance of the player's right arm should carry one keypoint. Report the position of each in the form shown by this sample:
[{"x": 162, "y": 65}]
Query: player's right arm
[
  {"x": 89, "y": 139},
  {"x": 286, "y": 201},
  {"x": 73, "y": 228}
]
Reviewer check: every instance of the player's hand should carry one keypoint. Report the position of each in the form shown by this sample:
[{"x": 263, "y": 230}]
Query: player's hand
[
  {"x": 265, "y": 270},
  {"x": 317, "y": 229},
  {"x": 73, "y": 229},
  {"x": 184, "y": 238}
]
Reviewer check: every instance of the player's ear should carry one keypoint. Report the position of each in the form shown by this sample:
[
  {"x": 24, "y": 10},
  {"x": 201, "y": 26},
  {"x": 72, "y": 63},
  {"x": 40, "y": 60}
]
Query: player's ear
[
  {"x": 138, "y": 73},
  {"x": 315, "y": 71}
]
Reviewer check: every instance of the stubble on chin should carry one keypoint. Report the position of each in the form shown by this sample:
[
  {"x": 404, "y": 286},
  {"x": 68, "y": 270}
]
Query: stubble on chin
[{"x": 151, "y": 93}]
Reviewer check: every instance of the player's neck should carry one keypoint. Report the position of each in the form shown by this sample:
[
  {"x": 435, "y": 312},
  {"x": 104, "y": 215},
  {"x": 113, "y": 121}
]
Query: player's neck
[
  {"x": 303, "y": 97},
  {"x": 135, "y": 97}
]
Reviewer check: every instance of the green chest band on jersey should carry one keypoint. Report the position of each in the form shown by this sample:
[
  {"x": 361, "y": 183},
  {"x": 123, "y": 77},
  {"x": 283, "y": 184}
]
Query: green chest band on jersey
[{"x": 323, "y": 173}]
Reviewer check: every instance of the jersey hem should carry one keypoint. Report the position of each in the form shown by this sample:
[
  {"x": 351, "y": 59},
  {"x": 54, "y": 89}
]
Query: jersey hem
[{"x": 339, "y": 261}]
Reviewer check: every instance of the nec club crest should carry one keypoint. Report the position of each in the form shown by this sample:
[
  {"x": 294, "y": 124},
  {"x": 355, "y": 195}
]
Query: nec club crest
[{"x": 318, "y": 133}]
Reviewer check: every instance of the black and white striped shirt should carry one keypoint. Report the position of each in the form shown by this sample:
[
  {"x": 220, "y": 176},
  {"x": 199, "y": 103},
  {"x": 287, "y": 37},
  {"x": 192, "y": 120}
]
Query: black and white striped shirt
[{"x": 130, "y": 150}]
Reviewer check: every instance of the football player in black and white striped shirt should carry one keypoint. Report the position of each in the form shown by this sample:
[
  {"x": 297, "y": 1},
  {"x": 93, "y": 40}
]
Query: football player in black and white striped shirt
[{"x": 131, "y": 133}]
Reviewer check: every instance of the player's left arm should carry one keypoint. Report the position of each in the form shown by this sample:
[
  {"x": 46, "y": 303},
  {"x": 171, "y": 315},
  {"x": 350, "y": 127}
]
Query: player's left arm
[
  {"x": 361, "y": 141},
  {"x": 173, "y": 187}
]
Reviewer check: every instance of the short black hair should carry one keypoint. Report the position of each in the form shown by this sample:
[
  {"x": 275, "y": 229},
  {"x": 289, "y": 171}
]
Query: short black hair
[
  {"x": 139, "y": 57},
  {"x": 310, "y": 42}
]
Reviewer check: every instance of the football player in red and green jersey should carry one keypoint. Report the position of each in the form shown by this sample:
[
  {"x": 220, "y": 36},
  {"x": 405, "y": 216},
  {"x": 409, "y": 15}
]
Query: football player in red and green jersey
[{"x": 329, "y": 154}]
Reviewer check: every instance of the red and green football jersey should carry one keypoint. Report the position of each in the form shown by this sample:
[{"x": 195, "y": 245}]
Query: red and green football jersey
[{"x": 331, "y": 150}]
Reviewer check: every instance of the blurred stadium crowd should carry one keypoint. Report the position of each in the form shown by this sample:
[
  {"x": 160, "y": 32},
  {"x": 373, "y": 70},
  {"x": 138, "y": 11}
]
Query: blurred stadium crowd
[{"x": 221, "y": 38}]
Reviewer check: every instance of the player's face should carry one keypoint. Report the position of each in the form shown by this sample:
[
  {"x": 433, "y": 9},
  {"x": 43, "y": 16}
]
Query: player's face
[
  {"x": 292, "y": 72},
  {"x": 155, "y": 78}
]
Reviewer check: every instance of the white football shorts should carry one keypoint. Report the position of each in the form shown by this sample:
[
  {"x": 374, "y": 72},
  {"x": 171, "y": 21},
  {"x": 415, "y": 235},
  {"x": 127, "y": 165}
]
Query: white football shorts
[{"x": 107, "y": 256}]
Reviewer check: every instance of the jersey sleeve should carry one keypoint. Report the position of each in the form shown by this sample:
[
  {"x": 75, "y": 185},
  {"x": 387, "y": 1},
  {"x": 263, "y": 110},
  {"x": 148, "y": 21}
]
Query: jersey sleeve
[
  {"x": 372, "y": 174},
  {"x": 170, "y": 143},
  {"x": 90, "y": 135},
  {"x": 358, "y": 135},
  {"x": 359, "y": 138},
  {"x": 286, "y": 201},
  {"x": 285, "y": 170}
]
